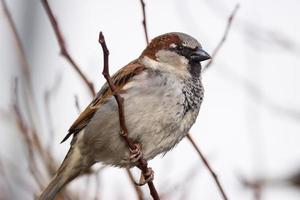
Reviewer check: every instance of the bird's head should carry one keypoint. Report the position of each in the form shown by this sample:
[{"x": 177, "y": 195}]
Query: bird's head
[{"x": 177, "y": 50}]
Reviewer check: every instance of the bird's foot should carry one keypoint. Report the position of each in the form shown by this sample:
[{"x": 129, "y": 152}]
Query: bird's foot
[
  {"x": 136, "y": 153},
  {"x": 146, "y": 177}
]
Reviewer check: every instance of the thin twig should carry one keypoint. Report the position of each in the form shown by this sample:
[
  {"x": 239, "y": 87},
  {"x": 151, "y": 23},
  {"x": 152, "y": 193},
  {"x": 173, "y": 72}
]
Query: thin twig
[
  {"x": 118, "y": 98},
  {"x": 63, "y": 49},
  {"x": 214, "y": 175},
  {"x": 144, "y": 22},
  {"x": 224, "y": 37},
  {"x": 142, "y": 163}
]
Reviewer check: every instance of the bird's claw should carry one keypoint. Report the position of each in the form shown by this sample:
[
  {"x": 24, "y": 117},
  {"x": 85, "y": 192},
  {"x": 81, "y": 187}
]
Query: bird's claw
[
  {"x": 146, "y": 177},
  {"x": 135, "y": 154}
]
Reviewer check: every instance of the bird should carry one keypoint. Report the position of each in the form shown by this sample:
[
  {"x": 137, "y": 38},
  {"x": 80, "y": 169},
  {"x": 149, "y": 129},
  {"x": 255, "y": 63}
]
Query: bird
[{"x": 162, "y": 92}]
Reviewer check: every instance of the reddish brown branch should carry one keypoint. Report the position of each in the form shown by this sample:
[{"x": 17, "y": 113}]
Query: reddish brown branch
[
  {"x": 119, "y": 99},
  {"x": 214, "y": 175},
  {"x": 63, "y": 49},
  {"x": 223, "y": 39},
  {"x": 142, "y": 163},
  {"x": 144, "y": 22}
]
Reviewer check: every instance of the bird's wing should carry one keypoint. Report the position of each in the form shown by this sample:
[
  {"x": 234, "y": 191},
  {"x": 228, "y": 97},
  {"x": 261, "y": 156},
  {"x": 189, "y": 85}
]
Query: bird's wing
[{"x": 120, "y": 78}]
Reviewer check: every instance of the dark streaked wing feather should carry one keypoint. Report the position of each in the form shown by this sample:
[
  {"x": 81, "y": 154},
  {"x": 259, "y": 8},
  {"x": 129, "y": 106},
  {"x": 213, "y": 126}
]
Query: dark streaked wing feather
[{"x": 120, "y": 79}]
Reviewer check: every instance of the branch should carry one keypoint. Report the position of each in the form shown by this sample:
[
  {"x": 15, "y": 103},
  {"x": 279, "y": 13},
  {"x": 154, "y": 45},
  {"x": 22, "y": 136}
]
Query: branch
[
  {"x": 224, "y": 37},
  {"x": 63, "y": 50},
  {"x": 144, "y": 22},
  {"x": 142, "y": 163},
  {"x": 214, "y": 175}
]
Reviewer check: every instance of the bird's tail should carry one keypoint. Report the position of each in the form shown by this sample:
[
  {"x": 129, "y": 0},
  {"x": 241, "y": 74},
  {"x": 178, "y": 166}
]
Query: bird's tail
[{"x": 70, "y": 168}]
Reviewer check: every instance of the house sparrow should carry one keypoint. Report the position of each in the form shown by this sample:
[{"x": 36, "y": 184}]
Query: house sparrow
[{"x": 162, "y": 94}]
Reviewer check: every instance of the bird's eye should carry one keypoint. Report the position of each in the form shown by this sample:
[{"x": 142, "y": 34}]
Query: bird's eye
[{"x": 179, "y": 47}]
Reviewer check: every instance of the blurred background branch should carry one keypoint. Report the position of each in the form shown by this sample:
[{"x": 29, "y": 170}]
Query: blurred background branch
[{"x": 63, "y": 49}]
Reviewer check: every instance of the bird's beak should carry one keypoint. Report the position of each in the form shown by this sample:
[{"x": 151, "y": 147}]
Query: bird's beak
[{"x": 200, "y": 55}]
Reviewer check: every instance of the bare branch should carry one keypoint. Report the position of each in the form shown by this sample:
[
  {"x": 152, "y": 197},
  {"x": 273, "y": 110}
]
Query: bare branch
[
  {"x": 144, "y": 22},
  {"x": 214, "y": 175},
  {"x": 223, "y": 39},
  {"x": 142, "y": 163},
  {"x": 63, "y": 49}
]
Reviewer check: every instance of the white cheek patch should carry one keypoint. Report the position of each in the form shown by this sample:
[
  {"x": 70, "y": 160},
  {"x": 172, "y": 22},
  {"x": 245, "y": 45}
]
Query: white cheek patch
[
  {"x": 179, "y": 69},
  {"x": 171, "y": 58}
]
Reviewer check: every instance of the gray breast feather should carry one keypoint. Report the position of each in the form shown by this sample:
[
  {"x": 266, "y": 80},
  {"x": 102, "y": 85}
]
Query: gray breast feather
[{"x": 155, "y": 117}]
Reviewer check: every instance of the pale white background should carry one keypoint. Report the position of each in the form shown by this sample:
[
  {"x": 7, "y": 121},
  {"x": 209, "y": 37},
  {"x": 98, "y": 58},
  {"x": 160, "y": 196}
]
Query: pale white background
[{"x": 249, "y": 122}]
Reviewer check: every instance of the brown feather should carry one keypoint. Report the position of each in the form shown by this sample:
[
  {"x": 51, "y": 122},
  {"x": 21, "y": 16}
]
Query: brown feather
[{"x": 120, "y": 79}]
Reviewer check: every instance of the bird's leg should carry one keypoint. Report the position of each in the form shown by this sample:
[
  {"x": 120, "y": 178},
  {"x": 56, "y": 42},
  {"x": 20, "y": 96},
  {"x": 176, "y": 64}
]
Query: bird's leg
[
  {"x": 136, "y": 153},
  {"x": 147, "y": 174}
]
